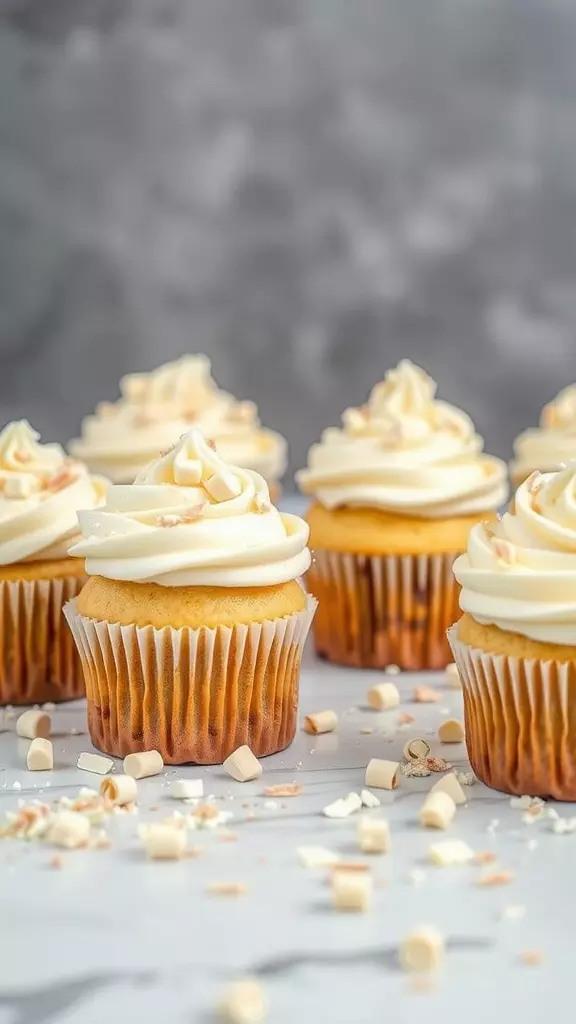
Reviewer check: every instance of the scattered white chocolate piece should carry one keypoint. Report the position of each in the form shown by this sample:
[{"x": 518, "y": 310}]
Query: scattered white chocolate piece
[
  {"x": 465, "y": 778},
  {"x": 144, "y": 764},
  {"x": 187, "y": 789},
  {"x": 369, "y": 799},
  {"x": 119, "y": 789},
  {"x": 381, "y": 774},
  {"x": 94, "y": 763},
  {"x": 392, "y": 670},
  {"x": 351, "y": 890},
  {"x": 449, "y": 784},
  {"x": 69, "y": 829},
  {"x": 242, "y": 765},
  {"x": 49, "y": 706},
  {"x": 320, "y": 722},
  {"x": 32, "y": 724},
  {"x": 316, "y": 857},
  {"x": 449, "y": 852},
  {"x": 163, "y": 841},
  {"x": 40, "y": 756},
  {"x": 422, "y": 950},
  {"x": 245, "y": 1002},
  {"x": 416, "y": 749},
  {"x": 373, "y": 835},
  {"x": 437, "y": 810},
  {"x": 451, "y": 731},
  {"x": 223, "y": 486},
  {"x": 344, "y": 807},
  {"x": 383, "y": 697},
  {"x": 453, "y": 676}
]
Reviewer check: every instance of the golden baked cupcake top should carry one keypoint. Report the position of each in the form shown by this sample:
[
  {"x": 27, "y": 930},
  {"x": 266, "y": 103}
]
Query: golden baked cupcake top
[
  {"x": 189, "y": 519},
  {"x": 41, "y": 490},
  {"x": 520, "y": 573},
  {"x": 156, "y": 408},
  {"x": 550, "y": 445},
  {"x": 405, "y": 452}
]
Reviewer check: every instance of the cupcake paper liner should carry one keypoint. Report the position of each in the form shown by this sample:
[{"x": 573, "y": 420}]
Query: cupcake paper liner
[
  {"x": 193, "y": 695},
  {"x": 379, "y": 610},
  {"x": 520, "y": 721},
  {"x": 38, "y": 657}
]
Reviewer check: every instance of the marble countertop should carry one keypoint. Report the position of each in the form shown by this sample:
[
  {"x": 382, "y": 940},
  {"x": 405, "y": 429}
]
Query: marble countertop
[{"x": 112, "y": 936}]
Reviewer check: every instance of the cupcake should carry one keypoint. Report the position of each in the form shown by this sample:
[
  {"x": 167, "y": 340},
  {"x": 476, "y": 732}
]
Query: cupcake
[
  {"x": 192, "y": 623},
  {"x": 552, "y": 444},
  {"x": 40, "y": 492},
  {"x": 515, "y": 645},
  {"x": 396, "y": 490},
  {"x": 156, "y": 408}
]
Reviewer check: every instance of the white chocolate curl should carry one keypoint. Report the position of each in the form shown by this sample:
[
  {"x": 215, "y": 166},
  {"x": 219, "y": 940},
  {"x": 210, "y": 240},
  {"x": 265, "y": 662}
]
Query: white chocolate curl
[
  {"x": 119, "y": 789},
  {"x": 31, "y": 724},
  {"x": 141, "y": 766}
]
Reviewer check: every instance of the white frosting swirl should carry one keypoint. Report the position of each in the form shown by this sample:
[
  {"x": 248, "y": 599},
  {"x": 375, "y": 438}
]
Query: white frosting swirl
[
  {"x": 40, "y": 492},
  {"x": 156, "y": 408},
  {"x": 552, "y": 444},
  {"x": 405, "y": 452},
  {"x": 520, "y": 573},
  {"x": 190, "y": 520}
]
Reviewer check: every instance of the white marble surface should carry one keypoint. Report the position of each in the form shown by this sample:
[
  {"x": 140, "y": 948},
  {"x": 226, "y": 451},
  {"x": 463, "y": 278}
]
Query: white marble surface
[{"x": 113, "y": 937}]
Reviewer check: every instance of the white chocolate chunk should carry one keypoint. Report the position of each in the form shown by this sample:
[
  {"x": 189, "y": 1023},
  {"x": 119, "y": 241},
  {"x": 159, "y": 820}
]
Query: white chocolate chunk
[
  {"x": 453, "y": 676},
  {"x": 119, "y": 789},
  {"x": 382, "y": 774},
  {"x": 40, "y": 756},
  {"x": 32, "y": 724},
  {"x": 245, "y": 1002},
  {"x": 369, "y": 799},
  {"x": 20, "y": 485},
  {"x": 392, "y": 670},
  {"x": 188, "y": 473},
  {"x": 316, "y": 857},
  {"x": 374, "y": 835},
  {"x": 187, "y": 789},
  {"x": 351, "y": 890},
  {"x": 449, "y": 852},
  {"x": 437, "y": 810},
  {"x": 223, "y": 486},
  {"x": 242, "y": 765},
  {"x": 163, "y": 841},
  {"x": 94, "y": 763},
  {"x": 344, "y": 807},
  {"x": 320, "y": 722},
  {"x": 70, "y": 830},
  {"x": 144, "y": 764},
  {"x": 383, "y": 697},
  {"x": 416, "y": 749},
  {"x": 449, "y": 784},
  {"x": 422, "y": 950},
  {"x": 451, "y": 731}
]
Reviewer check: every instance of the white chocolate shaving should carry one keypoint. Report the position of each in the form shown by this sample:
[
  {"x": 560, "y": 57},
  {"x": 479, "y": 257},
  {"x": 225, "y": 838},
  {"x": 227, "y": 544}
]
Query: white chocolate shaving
[
  {"x": 187, "y": 789},
  {"x": 242, "y": 765},
  {"x": 344, "y": 807},
  {"x": 449, "y": 852},
  {"x": 369, "y": 799},
  {"x": 316, "y": 857},
  {"x": 94, "y": 763},
  {"x": 144, "y": 764}
]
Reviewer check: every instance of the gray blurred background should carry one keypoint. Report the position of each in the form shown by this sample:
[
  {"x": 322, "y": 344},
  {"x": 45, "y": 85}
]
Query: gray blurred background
[{"x": 307, "y": 190}]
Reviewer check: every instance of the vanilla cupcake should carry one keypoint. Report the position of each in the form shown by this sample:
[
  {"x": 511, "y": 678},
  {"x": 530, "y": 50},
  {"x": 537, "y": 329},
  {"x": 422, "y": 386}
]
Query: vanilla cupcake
[
  {"x": 156, "y": 408},
  {"x": 552, "y": 444},
  {"x": 515, "y": 645},
  {"x": 40, "y": 492},
  {"x": 192, "y": 623},
  {"x": 396, "y": 490}
]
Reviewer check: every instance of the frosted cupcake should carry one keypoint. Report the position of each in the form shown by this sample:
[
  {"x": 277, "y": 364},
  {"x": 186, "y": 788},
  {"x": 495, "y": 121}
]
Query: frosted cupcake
[
  {"x": 396, "y": 490},
  {"x": 156, "y": 408},
  {"x": 192, "y": 623},
  {"x": 40, "y": 492},
  {"x": 515, "y": 645},
  {"x": 552, "y": 444}
]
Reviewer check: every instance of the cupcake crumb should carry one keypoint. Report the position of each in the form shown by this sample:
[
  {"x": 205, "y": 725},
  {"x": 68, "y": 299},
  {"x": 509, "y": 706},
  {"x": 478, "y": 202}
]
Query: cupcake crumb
[
  {"x": 227, "y": 888},
  {"x": 405, "y": 718},
  {"x": 284, "y": 789},
  {"x": 392, "y": 670},
  {"x": 532, "y": 958},
  {"x": 426, "y": 695},
  {"x": 495, "y": 878}
]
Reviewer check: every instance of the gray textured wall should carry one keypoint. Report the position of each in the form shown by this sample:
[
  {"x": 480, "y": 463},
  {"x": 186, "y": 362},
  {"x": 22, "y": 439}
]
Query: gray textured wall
[{"x": 305, "y": 189}]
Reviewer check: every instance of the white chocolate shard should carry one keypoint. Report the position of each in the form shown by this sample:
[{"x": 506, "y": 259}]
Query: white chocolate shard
[
  {"x": 382, "y": 774},
  {"x": 32, "y": 724},
  {"x": 450, "y": 852},
  {"x": 245, "y": 1002},
  {"x": 383, "y": 697},
  {"x": 163, "y": 841},
  {"x": 94, "y": 763},
  {"x": 453, "y": 676},
  {"x": 437, "y": 810},
  {"x": 187, "y": 789},
  {"x": 320, "y": 722},
  {"x": 70, "y": 830},
  {"x": 243, "y": 765},
  {"x": 449, "y": 784},
  {"x": 40, "y": 756},
  {"x": 344, "y": 807},
  {"x": 374, "y": 835},
  {"x": 144, "y": 764},
  {"x": 422, "y": 950},
  {"x": 223, "y": 486},
  {"x": 369, "y": 799},
  {"x": 119, "y": 789},
  {"x": 316, "y": 857},
  {"x": 351, "y": 890},
  {"x": 451, "y": 731},
  {"x": 416, "y": 749}
]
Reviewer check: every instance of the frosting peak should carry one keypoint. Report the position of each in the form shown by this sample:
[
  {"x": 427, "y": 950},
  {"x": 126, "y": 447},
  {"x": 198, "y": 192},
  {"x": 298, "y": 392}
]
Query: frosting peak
[
  {"x": 553, "y": 443},
  {"x": 405, "y": 451},
  {"x": 520, "y": 573},
  {"x": 189, "y": 519}
]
